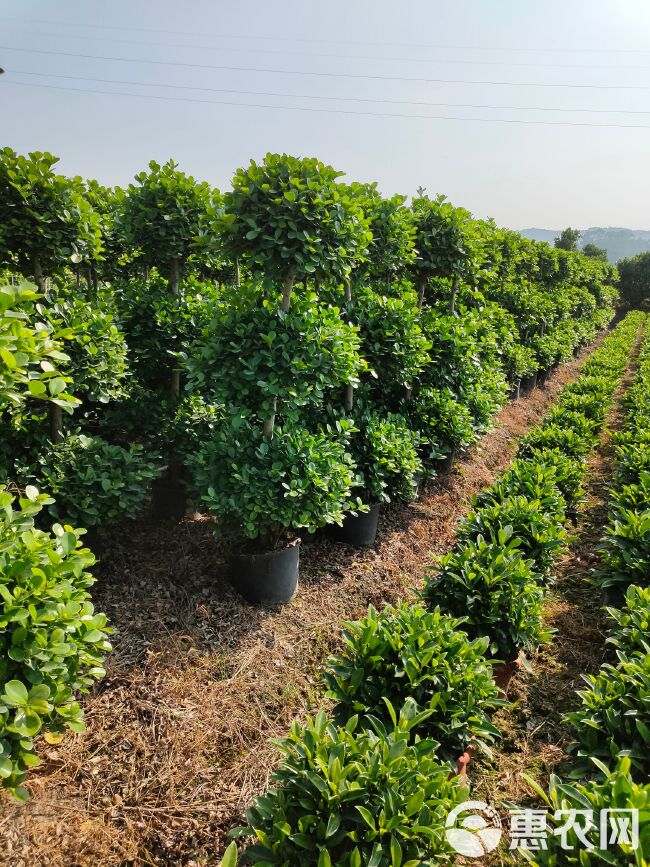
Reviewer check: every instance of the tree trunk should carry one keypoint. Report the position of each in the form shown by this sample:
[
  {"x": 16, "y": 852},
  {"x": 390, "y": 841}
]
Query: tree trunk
[
  {"x": 175, "y": 385},
  {"x": 38, "y": 272},
  {"x": 422, "y": 283},
  {"x": 269, "y": 423},
  {"x": 348, "y": 402},
  {"x": 237, "y": 273},
  {"x": 289, "y": 280},
  {"x": 56, "y": 423},
  {"x": 174, "y": 281},
  {"x": 452, "y": 300}
]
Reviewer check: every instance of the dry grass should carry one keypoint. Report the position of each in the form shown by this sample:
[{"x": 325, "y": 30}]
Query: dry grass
[{"x": 177, "y": 739}]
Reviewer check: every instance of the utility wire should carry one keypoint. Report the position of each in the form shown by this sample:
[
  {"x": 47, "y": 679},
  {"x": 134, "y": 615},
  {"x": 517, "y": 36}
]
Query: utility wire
[
  {"x": 249, "y": 36},
  {"x": 327, "y": 110},
  {"x": 286, "y": 53},
  {"x": 329, "y": 98},
  {"x": 324, "y": 74}
]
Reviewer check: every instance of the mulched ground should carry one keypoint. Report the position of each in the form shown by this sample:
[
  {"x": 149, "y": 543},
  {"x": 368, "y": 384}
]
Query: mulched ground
[
  {"x": 177, "y": 739},
  {"x": 534, "y": 737}
]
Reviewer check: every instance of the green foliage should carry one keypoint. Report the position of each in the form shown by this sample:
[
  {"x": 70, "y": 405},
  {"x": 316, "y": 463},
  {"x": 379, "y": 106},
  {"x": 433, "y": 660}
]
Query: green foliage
[
  {"x": 267, "y": 490},
  {"x": 385, "y": 455},
  {"x": 442, "y": 239},
  {"x": 627, "y": 549},
  {"x": 617, "y": 791},
  {"x": 93, "y": 481},
  {"x": 31, "y": 356},
  {"x": 290, "y": 217},
  {"x": 46, "y": 222},
  {"x": 392, "y": 342},
  {"x": 569, "y": 442},
  {"x": 164, "y": 213},
  {"x": 538, "y": 480},
  {"x": 350, "y": 798},
  {"x": 96, "y": 348},
  {"x": 630, "y": 632},
  {"x": 254, "y": 353},
  {"x": 410, "y": 652},
  {"x": 391, "y": 248},
  {"x": 635, "y": 279},
  {"x": 568, "y": 239},
  {"x": 614, "y": 718},
  {"x": 595, "y": 252},
  {"x": 495, "y": 589},
  {"x": 52, "y": 642},
  {"x": 538, "y": 532},
  {"x": 443, "y": 422}
]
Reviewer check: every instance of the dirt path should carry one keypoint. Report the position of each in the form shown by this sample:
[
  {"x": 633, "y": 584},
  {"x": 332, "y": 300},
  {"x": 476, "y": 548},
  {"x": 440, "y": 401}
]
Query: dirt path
[
  {"x": 534, "y": 737},
  {"x": 177, "y": 740}
]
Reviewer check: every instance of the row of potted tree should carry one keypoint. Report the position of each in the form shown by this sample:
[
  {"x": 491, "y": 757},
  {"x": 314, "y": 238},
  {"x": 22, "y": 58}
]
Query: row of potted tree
[
  {"x": 423, "y": 677},
  {"x": 358, "y": 345}
]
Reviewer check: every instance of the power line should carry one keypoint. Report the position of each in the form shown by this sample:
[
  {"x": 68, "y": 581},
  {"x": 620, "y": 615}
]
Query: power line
[
  {"x": 286, "y": 53},
  {"x": 328, "y": 110},
  {"x": 355, "y": 75},
  {"x": 266, "y": 37},
  {"x": 328, "y": 98}
]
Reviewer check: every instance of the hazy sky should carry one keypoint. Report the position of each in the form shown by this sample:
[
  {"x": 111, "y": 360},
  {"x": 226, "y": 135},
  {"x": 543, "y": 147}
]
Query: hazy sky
[{"x": 338, "y": 80}]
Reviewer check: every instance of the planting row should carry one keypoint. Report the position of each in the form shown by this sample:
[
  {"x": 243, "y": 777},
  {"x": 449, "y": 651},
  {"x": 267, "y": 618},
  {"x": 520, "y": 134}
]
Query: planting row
[
  {"x": 325, "y": 349},
  {"x": 611, "y": 727},
  {"x": 414, "y": 685}
]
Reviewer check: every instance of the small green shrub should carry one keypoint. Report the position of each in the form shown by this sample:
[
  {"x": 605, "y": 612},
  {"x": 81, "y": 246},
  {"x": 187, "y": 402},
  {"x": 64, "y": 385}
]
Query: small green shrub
[
  {"x": 614, "y": 718},
  {"x": 626, "y": 547},
  {"x": 590, "y": 405},
  {"x": 538, "y": 532},
  {"x": 410, "y": 652},
  {"x": 617, "y": 791},
  {"x": 93, "y": 482},
  {"x": 345, "y": 797},
  {"x": 533, "y": 479},
  {"x": 631, "y": 632},
  {"x": 568, "y": 441},
  {"x": 443, "y": 422},
  {"x": 52, "y": 642},
  {"x": 495, "y": 590}
]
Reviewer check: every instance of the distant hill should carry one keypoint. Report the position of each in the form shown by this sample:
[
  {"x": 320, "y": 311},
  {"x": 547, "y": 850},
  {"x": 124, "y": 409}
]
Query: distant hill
[{"x": 619, "y": 243}]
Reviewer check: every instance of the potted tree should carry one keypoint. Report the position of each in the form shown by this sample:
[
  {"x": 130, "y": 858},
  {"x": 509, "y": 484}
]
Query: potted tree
[
  {"x": 162, "y": 218},
  {"x": 385, "y": 453},
  {"x": 263, "y": 492}
]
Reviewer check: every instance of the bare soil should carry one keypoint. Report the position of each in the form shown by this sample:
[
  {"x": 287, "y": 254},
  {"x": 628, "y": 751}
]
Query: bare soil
[{"x": 177, "y": 733}]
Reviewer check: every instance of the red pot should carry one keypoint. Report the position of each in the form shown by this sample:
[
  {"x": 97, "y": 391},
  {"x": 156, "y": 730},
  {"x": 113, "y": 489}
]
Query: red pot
[
  {"x": 461, "y": 765},
  {"x": 503, "y": 672}
]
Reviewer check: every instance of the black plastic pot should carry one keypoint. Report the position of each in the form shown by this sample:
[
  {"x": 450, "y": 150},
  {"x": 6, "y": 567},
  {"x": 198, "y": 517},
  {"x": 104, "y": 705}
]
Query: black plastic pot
[
  {"x": 446, "y": 464},
  {"x": 168, "y": 499},
  {"x": 576, "y": 351},
  {"x": 359, "y": 530},
  {"x": 269, "y": 578},
  {"x": 544, "y": 375},
  {"x": 515, "y": 391},
  {"x": 528, "y": 383}
]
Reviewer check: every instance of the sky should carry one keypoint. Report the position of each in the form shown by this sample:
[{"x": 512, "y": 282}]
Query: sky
[{"x": 534, "y": 113}]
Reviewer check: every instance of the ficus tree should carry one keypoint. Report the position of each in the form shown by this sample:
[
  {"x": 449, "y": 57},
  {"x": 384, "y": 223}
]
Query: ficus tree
[
  {"x": 291, "y": 220},
  {"x": 442, "y": 244},
  {"x": 46, "y": 222},
  {"x": 163, "y": 214}
]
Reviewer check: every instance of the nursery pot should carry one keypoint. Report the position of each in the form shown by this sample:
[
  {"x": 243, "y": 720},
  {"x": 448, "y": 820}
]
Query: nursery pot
[
  {"x": 359, "y": 530},
  {"x": 544, "y": 375},
  {"x": 515, "y": 391},
  {"x": 528, "y": 383},
  {"x": 503, "y": 672},
  {"x": 269, "y": 578},
  {"x": 445, "y": 465},
  {"x": 576, "y": 351},
  {"x": 169, "y": 499},
  {"x": 461, "y": 765}
]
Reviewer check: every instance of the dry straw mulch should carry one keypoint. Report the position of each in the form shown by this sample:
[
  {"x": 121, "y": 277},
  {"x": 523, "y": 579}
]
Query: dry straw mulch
[{"x": 177, "y": 739}]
